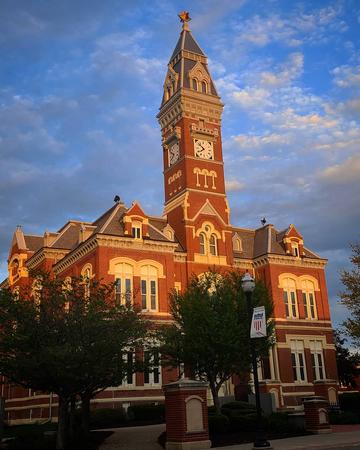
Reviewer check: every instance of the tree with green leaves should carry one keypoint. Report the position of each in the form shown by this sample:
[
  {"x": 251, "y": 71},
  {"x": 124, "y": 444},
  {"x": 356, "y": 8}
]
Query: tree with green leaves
[
  {"x": 68, "y": 339},
  {"x": 210, "y": 333},
  {"x": 347, "y": 362},
  {"x": 351, "y": 296}
]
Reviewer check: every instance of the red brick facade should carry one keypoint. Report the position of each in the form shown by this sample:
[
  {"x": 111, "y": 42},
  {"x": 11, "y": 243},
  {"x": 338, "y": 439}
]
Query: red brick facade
[{"x": 157, "y": 254}]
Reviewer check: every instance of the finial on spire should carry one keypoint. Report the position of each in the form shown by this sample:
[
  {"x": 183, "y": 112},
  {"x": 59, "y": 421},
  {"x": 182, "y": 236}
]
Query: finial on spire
[{"x": 185, "y": 19}]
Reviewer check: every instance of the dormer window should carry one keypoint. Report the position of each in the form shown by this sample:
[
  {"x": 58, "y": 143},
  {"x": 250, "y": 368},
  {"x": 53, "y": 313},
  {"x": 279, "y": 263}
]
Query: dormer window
[
  {"x": 136, "y": 230},
  {"x": 194, "y": 84},
  {"x": 202, "y": 240},
  {"x": 295, "y": 249},
  {"x": 204, "y": 87}
]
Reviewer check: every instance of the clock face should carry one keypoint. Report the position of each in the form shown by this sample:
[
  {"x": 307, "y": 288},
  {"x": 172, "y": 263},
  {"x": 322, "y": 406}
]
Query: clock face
[
  {"x": 203, "y": 149},
  {"x": 174, "y": 153}
]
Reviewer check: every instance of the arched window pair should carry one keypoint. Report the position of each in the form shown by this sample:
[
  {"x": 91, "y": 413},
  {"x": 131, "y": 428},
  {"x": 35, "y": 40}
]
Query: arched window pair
[
  {"x": 307, "y": 288},
  {"x": 201, "y": 87},
  {"x": 208, "y": 245}
]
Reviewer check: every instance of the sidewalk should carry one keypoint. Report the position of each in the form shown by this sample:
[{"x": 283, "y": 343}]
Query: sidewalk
[{"x": 341, "y": 439}]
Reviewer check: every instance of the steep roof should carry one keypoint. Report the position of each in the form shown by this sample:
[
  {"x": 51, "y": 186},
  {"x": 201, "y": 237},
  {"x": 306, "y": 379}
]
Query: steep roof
[{"x": 186, "y": 42}]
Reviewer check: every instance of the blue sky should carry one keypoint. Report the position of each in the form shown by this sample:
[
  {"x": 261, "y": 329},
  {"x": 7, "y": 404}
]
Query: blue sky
[{"x": 81, "y": 83}]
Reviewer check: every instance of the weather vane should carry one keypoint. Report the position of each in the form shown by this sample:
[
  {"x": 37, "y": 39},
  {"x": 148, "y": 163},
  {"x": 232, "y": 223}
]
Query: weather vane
[{"x": 185, "y": 19}]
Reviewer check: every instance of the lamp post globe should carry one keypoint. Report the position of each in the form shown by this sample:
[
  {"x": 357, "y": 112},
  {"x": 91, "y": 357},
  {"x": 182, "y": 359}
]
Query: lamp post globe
[{"x": 248, "y": 283}]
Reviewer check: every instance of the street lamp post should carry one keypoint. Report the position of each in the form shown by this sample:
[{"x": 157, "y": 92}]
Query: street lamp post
[{"x": 248, "y": 285}]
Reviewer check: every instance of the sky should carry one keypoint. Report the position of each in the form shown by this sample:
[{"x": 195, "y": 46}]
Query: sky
[{"x": 81, "y": 83}]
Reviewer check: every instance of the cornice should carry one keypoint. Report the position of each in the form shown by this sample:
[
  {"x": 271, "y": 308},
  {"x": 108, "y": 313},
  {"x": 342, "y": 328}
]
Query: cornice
[
  {"x": 44, "y": 253},
  {"x": 286, "y": 260},
  {"x": 100, "y": 240},
  {"x": 80, "y": 251},
  {"x": 243, "y": 263}
]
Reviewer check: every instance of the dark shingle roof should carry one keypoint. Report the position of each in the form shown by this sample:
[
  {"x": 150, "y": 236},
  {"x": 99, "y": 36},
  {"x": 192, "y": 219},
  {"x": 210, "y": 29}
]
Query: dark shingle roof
[
  {"x": 186, "y": 42},
  {"x": 33, "y": 243}
]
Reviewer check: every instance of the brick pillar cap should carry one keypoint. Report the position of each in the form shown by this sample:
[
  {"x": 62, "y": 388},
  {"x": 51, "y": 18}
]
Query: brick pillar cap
[
  {"x": 314, "y": 399},
  {"x": 185, "y": 383}
]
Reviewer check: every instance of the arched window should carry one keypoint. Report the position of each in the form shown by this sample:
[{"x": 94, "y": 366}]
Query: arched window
[
  {"x": 204, "y": 87},
  {"x": 149, "y": 288},
  {"x": 194, "y": 84},
  {"x": 237, "y": 244},
  {"x": 289, "y": 295},
  {"x": 86, "y": 274},
  {"x": 202, "y": 240},
  {"x": 36, "y": 289},
  {"x": 308, "y": 295},
  {"x": 123, "y": 283},
  {"x": 213, "y": 245}
]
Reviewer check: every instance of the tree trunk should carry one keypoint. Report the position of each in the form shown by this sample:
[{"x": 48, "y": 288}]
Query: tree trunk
[
  {"x": 72, "y": 427},
  {"x": 215, "y": 396},
  {"x": 85, "y": 414},
  {"x": 61, "y": 436}
]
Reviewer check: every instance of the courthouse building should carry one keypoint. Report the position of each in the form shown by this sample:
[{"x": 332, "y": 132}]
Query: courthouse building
[{"x": 149, "y": 256}]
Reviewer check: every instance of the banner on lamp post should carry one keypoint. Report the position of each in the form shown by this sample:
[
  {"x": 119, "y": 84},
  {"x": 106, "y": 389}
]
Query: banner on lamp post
[{"x": 258, "y": 323}]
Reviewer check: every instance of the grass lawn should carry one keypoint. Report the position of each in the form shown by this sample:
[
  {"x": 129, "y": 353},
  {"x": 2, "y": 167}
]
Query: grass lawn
[{"x": 31, "y": 437}]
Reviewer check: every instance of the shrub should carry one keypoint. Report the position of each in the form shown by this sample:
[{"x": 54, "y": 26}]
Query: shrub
[
  {"x": 344, "y": 418},
  {"x": 218, "y": 423},
  {"x": 237, "y": 412},
  {"x": 107, "y": 418},
  {"x": 240, "y": 422},
  {"x": 239, "y": 405},
  {"x": 211, "y": 410},
  {"x": 147, "y": 413},
  {"x": 349, "y": 401}
]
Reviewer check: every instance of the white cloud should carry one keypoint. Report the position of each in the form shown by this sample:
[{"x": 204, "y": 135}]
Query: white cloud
[
  {"x": 347, "y": 76},
  {"x": 343, "y": 173},
  {"x": 252, "y": 141},
  {"x": 234, "y": 185},
  {"x": 285, "y": 73},
  {"x": 251, "y": 97}
]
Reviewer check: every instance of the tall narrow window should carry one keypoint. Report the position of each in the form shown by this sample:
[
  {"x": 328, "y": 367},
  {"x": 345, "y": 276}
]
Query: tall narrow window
[
  {"x": 152, "y": 372},
  {"x": 128, "y": 358},
  {"x": 86, "y": 274},
  {"x": 289, "y": 296},
  {"x": 202, "y": 240},
  {"x": 298, "y": 360},
  {"x": 317, "y": 360},
  {"x": 213, "y": 245},
  {"x": 308, "y": 295},
  {"x": 204, "y": 87},
  {"x": 123, "y": 283},
  {"x": 149, "y": 288},
  {"x": 194, "y": 84}
]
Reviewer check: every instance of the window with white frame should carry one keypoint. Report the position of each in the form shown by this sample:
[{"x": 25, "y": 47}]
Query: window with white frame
[
  {"x": 129, "y": 377},
  {"x": 123, "y": 283},
  {"x": 295, "y": 249},
  {"x": 152, "y": 369},
  {"x": 213, "y": 245},
  {"x": 308, "y": 295},
  {"x": 317, "y": 360},
  {"x": 202, "y": 241},
  {"x": 208, "y": 241},
  {"x": 289, "y": 295},
  {"x": 86, "y": 274},
  {"x": 149, "y": 288},
  {"x": 298, "y": 360},
  {"x": 136, "y": 230}
]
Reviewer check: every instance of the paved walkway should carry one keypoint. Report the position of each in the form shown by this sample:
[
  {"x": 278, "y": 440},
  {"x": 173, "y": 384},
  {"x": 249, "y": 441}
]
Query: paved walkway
[
  {"x": 134, "y": 438},
  {"x": 344, "y": 437}
]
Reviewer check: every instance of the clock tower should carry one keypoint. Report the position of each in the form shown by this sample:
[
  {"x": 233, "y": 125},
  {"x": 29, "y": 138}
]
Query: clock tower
[{"x": 190, "y": 118}]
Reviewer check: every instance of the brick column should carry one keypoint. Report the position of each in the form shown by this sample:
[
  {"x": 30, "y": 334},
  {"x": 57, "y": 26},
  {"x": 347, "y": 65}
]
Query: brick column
[
  {"x": 316, "y": 415},
  {"x": 186, "y": 415}
]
